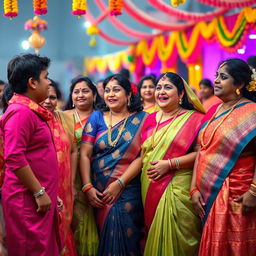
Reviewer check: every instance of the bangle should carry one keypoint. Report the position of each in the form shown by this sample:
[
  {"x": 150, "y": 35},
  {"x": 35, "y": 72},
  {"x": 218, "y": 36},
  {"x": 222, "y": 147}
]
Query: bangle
[
  {"x": 121, "y": 183},
  {"x": 87, "y": 187},
  {"x": 177, "y": 163},
  {"x": 40, "y": 192},
  {"x": 252, "y": 192},
  {"x": 253, "y": 184},
  {"x": 193, "y": 191},
  {"x": 170, "y": 164}
]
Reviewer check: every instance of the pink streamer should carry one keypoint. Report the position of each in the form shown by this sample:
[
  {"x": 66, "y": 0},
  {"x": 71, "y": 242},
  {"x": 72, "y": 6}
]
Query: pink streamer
[{"x": 228, "y": 3}]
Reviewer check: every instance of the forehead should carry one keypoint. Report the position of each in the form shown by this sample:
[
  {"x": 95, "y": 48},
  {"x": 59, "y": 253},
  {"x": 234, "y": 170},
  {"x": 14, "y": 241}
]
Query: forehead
[
  {"x": 164, "y": 81},
  {"x": 147, "y": 82},
  {"x": 81, "y": 85},
  {"x": 51, "y": 90},
  {"x": 112, "y": 83},
  {"x": 223, "y": 68}
]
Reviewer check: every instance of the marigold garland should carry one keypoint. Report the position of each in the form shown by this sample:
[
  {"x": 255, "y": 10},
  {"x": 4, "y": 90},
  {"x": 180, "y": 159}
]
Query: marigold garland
[
  {"x": 115, "y": 7},
  {"x": 35, "y": 24},
  {"x": 177, "y": 2},
  {"x": 40, "y": 7},
  {"x": 11, "y": 8},
  {"x": 79, "y": 7}
]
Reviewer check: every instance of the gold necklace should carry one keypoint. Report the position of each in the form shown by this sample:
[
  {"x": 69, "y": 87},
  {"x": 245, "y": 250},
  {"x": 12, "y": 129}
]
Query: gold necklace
[
  {"x": 205, "y": 145},
  {"x": 114, "y": 142},
  {"x": 78, "y": 117},
  {"x": 153, "y": 144}
]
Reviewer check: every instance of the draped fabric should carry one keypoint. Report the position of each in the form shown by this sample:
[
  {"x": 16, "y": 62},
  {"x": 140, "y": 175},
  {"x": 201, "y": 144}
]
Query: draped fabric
[
  {"x": 83, "y": 224},
  {"x": 120, "y": 223},
  {"x": 224, "y": 172},
  {"x": 173, "y": 227},
  {"x": 63, "y": 149},
  {"x": 151, "y": 109}
]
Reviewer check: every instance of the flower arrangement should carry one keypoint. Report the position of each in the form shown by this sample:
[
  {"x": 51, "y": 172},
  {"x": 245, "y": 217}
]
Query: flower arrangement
[
  {"x": 79, "y": 7},
  {"x": 115, "y": 7},
  {"x": 40, "y": 7},
  {"x": 177, "y": 2},
  {"x": 35, "y": 24},
  {"x": 11, "y": 8},
  {"x": 251, "y": 87}
]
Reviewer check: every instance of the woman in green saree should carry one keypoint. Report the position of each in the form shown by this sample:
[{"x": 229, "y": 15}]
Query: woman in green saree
[{"x": 168, "y": 148}]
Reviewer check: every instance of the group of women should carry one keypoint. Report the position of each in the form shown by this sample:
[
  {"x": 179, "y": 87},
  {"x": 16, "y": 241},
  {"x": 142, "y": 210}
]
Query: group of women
[{"x": 135, "y": 191}]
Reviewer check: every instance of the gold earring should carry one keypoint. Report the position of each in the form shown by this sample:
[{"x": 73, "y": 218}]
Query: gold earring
[
  {"x": 129, "y": 102},
  {"x": 238, "y": 92},
  {"x": 180, "y": 101}
]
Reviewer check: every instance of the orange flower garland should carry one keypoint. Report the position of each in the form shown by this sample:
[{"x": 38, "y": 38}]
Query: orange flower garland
[
  {"x": 11, "y": 8},
  {"x": 79, "y": 7},
  {"x": 115, "y": 7},
  {"x": 177, "y": 2},
  {"x": 40, "y": 7}
]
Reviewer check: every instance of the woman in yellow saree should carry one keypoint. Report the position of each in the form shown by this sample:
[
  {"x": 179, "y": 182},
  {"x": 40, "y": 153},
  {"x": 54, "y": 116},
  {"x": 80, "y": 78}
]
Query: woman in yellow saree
[{"x": 168, "y": 138}]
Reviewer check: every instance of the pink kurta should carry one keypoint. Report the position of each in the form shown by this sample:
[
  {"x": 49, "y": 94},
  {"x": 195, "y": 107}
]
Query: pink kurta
[{"x": 28, "y": 141}]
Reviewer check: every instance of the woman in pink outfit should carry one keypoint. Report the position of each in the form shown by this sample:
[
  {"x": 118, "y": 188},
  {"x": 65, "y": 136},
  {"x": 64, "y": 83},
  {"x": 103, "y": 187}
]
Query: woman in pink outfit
[{"x": 31, "y": 169}]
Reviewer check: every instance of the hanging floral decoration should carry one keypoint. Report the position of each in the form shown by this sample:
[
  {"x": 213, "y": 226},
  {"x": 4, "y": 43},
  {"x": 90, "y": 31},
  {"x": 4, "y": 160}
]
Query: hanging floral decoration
[
  {"x": 36, "y": 24},
  {"x": 79, "y": 7},
  {"x": 177, "y": 2},
  {"x": 40, "y": 7},
  {"x": 11, "y": 8},
  {"x": 92, "y": 30},
  {"x": 115, "y": 7}
]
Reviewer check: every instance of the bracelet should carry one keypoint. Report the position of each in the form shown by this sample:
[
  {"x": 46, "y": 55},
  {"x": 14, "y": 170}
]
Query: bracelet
[
  {"x": 193, "y": 191},
  {"x": 170, "y": 164},
  {"x": 121, "y": 183},
  {"x": 177, "y": 163},
  {"x": 40, "y": 192},
  {"x": 252, "y": 192},
  {"x": 87, "y": 187},
  {"x": 253, "y": 184}
]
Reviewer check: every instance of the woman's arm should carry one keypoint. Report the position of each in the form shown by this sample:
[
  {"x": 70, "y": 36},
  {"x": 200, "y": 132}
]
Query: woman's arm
[
  {"x": 73, "y": 164},
  {"x": 85, "y": 169}
]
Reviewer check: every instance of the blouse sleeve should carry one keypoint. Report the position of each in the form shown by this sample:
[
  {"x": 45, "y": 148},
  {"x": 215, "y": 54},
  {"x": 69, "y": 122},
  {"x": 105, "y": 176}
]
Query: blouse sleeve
[
  {"x": 17, "y": 136},
  {"x": 90, "y": 129}
]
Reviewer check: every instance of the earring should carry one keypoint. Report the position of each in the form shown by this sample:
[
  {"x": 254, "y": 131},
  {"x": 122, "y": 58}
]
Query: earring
[
  {"x": 180, "y": 101},
  {"x": 129, "y": 102},
  {"x": 238, "y": 92},
  {"x": 73, "y": 105}
]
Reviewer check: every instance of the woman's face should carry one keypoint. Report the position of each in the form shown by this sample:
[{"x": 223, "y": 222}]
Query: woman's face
[
  {"x": 115, "y": 96},
  {"x": 224, "y": 83},
  {"x": 82, "y": 96},
  {"x": 147, "y": 90},
  {"x": 166, "y": 95},
  {"x": 51, "y": 102},
  {"x": 205, "y": 91}
]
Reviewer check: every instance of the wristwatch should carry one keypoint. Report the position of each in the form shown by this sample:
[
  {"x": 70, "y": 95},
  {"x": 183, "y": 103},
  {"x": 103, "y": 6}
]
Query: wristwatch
[{"x": 40, "y": 192}]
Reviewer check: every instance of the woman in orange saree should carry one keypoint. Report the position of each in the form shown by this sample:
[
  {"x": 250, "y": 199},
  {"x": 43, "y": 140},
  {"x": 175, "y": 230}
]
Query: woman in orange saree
[
  {"x": 224, "y": 181},
  {"x": 67, "y": 161}
]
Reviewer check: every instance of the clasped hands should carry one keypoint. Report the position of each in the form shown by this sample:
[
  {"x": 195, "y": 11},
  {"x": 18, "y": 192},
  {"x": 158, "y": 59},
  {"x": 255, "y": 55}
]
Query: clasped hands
[{"x": 158, "y": 170}]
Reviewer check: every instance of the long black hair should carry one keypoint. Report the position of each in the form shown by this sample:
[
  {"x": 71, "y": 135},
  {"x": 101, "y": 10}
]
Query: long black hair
[
  {"x": 89, "y": 83},
  {"x": 177, "y": 81},
  {"x": 242, "y": 75},
  {"x": 135, "y": 101}
]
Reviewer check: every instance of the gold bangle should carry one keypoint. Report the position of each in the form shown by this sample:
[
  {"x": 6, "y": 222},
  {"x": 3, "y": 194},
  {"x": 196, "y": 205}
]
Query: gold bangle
[
  {"x": 252, "y": 192},
  {"x": 84, "y": 187},
  {"x": 177, "y": 163},
  {"x": 170, "y": 164},
  {"x": 253, "y": 185}
]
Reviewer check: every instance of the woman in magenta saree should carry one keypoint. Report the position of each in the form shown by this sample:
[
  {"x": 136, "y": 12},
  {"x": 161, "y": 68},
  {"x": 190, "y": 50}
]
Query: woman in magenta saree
[
  {"x": 224, "y": 181},
  {"x": 112, "y": 140},
  {"x": 168, "y": 142}
]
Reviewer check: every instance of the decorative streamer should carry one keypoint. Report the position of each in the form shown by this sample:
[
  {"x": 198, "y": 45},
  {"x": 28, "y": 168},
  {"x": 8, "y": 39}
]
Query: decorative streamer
[
  {"x": 228, "y": 3},
  {"x": 79, "y": 7},
  {"x": 11, "y": 8},
  {"x": 184, "y": 15},
  {"x": 115, "y": 7},
  {"x": 40, "y": 7}
]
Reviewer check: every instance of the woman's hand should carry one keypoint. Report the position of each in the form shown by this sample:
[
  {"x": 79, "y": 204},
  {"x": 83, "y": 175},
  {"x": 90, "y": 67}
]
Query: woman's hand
[
  {"x": 44, "y": 203},
  {"x": 60, "y": 204},
  {"x": 111, "y": 192},
  {"x": 248, "y": 202},
  {"x": 93, "y": 198},
  {"x": 158, "y": 170},
  {"x": 199, "y": 203}
]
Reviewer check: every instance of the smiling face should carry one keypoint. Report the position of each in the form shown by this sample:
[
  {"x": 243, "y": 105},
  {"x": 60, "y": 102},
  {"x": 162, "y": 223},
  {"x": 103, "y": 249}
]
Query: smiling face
[
  {"x": 82, "y": 96},
  {"x": 206, "y": 91},
  {"x": 224, "y": 86},
  {"x": 115, "y": 96},
  {"x": 166, "y": 95},
  {"x": 147, "y": 90},
  {"x": 51, "y": 102}
]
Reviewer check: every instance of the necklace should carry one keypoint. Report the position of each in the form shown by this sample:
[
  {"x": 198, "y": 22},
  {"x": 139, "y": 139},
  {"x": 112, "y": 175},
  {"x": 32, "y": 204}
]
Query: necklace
[
  {"x": 153, "y": 143},
  {"x": 114, "y": 142},
  {"x": 205, "y": 145}
]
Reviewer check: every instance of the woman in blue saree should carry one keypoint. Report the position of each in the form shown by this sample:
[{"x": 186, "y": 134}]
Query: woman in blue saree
[{"x": 111, "y": 140}]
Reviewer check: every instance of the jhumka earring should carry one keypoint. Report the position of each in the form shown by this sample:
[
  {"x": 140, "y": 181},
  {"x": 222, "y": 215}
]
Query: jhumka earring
[{"x": 238, "y": 92}]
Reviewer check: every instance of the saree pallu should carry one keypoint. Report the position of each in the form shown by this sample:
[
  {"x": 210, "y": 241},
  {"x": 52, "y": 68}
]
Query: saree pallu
[
  {"x": 173, "y": 227},
  {"x": 83, "y": 224},
  {"x": 63, "y": 150},
  {"x": 223, "y": 174},
  {"x": 120, "y": 223},
  {"x": 151, "y": 109}
]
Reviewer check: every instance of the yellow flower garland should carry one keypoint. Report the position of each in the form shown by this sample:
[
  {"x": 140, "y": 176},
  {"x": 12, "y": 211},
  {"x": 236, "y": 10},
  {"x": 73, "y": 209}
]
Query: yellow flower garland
[
  {"x": 79, "y": 7},
  {"x": 177, "y": 2},
  {"x": 11, "y": 8}
]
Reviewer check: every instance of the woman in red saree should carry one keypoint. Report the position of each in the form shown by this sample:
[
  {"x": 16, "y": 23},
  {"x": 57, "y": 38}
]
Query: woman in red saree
[
  {"x": 67, "y": 161},
  {"x": 224, "y": 181},
  {"x": 168, "y": 148}
]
